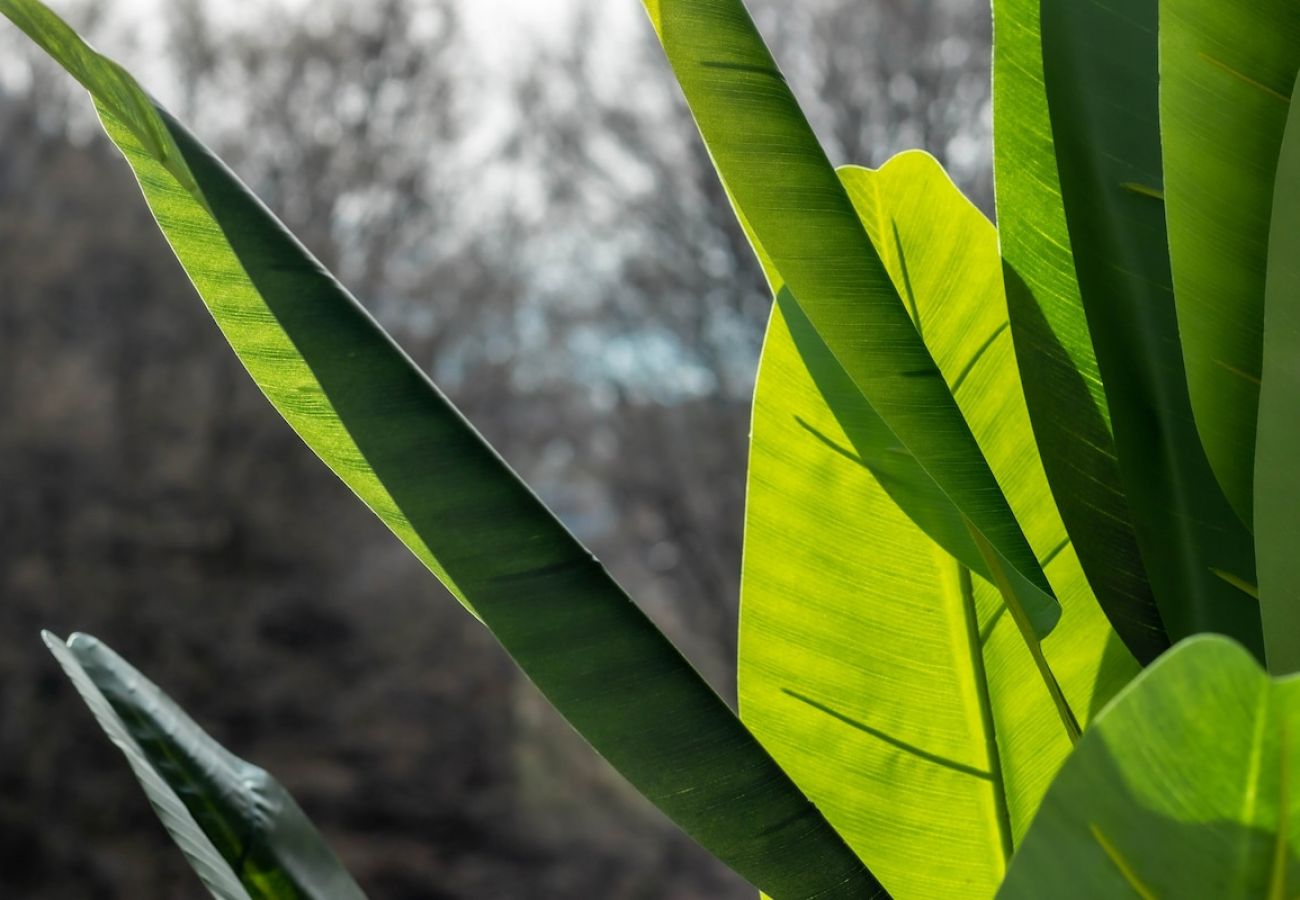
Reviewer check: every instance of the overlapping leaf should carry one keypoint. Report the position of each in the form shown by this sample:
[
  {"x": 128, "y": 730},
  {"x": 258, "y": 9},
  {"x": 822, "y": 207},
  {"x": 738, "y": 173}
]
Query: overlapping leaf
[
  {"x": 805, "y": 228},
  {"x": 1062, "y": 382},
  {"x": 1184, "y": 787},
  {"x": 886, "y": 678},
  {"x": 1227, "y": 68},
  {"x": 240, "y": 829},
  {"x": 378, "y": 422},
  {"x": 1277, "y": 476},
  {"x": 1100, "y": 67}
]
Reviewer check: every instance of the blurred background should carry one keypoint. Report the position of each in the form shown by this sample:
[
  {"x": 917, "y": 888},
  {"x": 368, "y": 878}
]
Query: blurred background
[{"x": 516, "y": 190}]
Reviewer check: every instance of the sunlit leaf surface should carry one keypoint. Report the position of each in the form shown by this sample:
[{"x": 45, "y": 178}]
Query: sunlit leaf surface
[
  {"x": 1188, "y": 785},
  {"x": 885, "y": 676},
  {"x": 809, "y": 235}
]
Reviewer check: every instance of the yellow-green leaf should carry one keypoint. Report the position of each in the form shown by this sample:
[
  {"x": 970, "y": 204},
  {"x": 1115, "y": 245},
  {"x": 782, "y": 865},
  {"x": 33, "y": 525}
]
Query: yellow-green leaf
[{"x": 882, "y": 674}]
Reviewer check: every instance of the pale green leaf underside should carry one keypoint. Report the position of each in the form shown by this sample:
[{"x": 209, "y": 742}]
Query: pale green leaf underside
[
  {"x": 872, "y": 663},
  {"x": 1227, "y": 69},
  {"x": 379, "y": 423},
  {"x": 1188, "y": 785},
  {"x": 1277, "y": 476}
]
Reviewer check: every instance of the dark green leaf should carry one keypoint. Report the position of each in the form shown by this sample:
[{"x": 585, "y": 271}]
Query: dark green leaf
[
  {"x": 241, "y": 831},
  {"x": 1226, "y": 72},
  {"x": 1277, "y": 474},
  {"x": 1100, "y": 67},
  {"x": 1062, "y": 383},
  {"x": 805, "y": 228}
]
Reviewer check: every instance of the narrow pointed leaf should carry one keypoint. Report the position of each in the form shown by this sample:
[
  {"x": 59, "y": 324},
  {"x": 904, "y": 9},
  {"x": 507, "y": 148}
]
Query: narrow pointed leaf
[
  {"x": 803, "y": 224},
  {"x": 1185, "y": 786},
  {"x": 1100, "y": 62},
  {"x": 1277, "y": 477},
  {"x": 886, "y": 678},
  {"x": 1227, "y": 68},
  {"x": 1062, "y": 383},
  {"x": 379, "y": 423},
  {"x": 241, "y": 831}
]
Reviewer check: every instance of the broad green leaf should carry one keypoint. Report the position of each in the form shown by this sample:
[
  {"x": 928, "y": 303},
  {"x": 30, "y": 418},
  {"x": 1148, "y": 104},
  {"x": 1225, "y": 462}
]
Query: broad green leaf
[
  {"x": 1067, "y": 404},
  {"x": 1185, "y": 786},
  {"x": 241, "y": 830},
  {"x": 1226, "y": 72},
  {"x": 1277, "y": 476},
  {"x": 884, "y": 677},
  {"x": 1100, "y": 74},
  {"x": 379, "y": 423},
  {"x": 805, "y": 228}
]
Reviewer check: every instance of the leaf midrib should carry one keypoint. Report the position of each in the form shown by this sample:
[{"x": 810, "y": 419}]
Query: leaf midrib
[{"x": 983, "y": 720}]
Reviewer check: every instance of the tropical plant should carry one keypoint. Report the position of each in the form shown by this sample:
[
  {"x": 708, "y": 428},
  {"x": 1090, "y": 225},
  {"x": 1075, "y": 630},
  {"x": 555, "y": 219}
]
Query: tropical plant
[{"x": 993, "y": 475}]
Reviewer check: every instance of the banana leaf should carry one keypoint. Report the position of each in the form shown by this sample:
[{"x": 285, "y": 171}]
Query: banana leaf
[
  {"x": 1100, "y": 67},
  {"x": 884, "y": 675},
  {"x": 1062, "y": 382},
  {"x": 1184, "y": 786},
  {"x": 382, "y": 426},
  {"x": 1277, "y": 477},
  {"x": 239, "y": 828},
  {"x": 804, "y": 227},
  {"x": 1227, "y": 68}
]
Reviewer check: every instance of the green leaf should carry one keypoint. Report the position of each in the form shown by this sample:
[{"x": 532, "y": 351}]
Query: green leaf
[
  {"x": 1062, "y": 383},
  {"x": 884, "y": 677},
  {"x": 803, "y": 225},
  {"x": 1100, "y": 74},
  {"x": 379, "y": 423},
  {"x": 1226, "y": 72},
  {"x": 1188, "y": 785},
  {"x": 241, "y": 831},
  {"x": 1277, "y": 477}
]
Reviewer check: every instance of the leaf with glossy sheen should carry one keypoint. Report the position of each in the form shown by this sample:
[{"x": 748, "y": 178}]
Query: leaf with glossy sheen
[
  {"x": 379, "y": 423},
  {"x": 241, "y": 830},
  {"x": 1188, "y": 785},
  {"x": 803, "y": 224},
  {"x": 884, "y": 677},
  {"x": 1100, "y": 65},
  {"x": 1067, "y": 404},
  {"x": 1227, "y": 68},
  {"x": 1277, "y": 476}
]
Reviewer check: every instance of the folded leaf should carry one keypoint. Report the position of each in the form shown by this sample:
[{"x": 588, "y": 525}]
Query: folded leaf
[
  {"x": 1185, "y": 786},
  {"x": 804, "y": 226},
  {"x": 1062, "y": 383},
  {"x": 240, "y": 829},
  {"x": 1226, "y": 72},
  {"x": 382, "y": 426},
  {"x": 1277, "y": 477},
  {"x": 1100, "y": 65}
]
